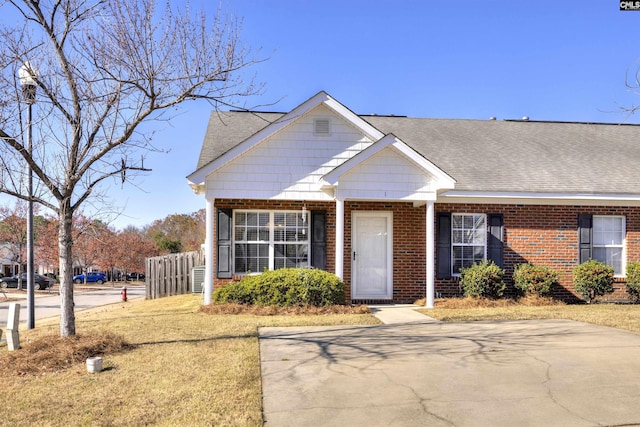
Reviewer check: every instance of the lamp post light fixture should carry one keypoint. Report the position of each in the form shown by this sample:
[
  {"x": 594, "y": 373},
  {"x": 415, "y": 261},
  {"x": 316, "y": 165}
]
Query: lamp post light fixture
[{"x": 26, "y": 74}]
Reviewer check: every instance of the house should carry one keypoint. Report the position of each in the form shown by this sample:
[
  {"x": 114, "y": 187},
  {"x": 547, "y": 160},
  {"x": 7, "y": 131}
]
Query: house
[
  {"x": 396, "y": 206},
  {"x": 8, "y": 264}
]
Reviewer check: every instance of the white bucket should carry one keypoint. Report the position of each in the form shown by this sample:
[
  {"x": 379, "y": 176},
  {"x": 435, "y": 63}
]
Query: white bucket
[{"x": 94, "y": 365}]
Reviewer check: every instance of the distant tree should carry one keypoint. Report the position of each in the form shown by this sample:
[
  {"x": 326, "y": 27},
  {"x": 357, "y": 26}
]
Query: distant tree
[
  {"x": 166, "y": 245},
  {"x": 133, "y": 247},
  {"x": 47, "y": 247},
  {"x": 179, "y": 232},
  {"x": 101, "y": 69},
  {"x": 13, "y": 233},
  {"x": 91, "y": 242}
]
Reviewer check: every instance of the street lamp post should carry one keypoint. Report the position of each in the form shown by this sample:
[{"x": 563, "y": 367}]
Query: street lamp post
[{"x": 26, "y": 75}]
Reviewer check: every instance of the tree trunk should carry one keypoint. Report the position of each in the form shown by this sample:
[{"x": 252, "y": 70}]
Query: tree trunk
[{"x": 67, "y": 315}]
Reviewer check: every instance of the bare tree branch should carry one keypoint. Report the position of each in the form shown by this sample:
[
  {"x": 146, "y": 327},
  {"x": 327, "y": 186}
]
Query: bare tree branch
[{"x": 105, "y": 67}]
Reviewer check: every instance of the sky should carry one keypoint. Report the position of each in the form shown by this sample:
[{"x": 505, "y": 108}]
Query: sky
[{"x": 548, "y": 60}]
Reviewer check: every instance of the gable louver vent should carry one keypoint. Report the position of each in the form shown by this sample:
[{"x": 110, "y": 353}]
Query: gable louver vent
[{"x": 321, "y": 127}]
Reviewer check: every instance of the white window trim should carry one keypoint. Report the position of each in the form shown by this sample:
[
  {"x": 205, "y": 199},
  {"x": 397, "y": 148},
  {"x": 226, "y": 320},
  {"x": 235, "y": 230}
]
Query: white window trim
[
  {"x": 624, "y": 242},
  {"x": 271, "y": 242},
  {"x": 462, "y": 245}
]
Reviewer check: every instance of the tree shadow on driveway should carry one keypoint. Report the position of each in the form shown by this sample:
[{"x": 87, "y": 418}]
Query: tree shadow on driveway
[{"x": 476, "y": 373}]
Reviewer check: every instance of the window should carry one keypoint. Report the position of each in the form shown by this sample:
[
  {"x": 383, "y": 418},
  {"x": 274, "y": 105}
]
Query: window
[
  {"x": 270, "y": 240},
  {"x": 468, "y": 240},
  {"x": 608, "y": 241}
]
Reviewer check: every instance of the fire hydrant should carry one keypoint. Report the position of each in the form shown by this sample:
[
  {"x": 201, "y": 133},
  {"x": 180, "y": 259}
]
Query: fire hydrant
[{"x": 123, "y": 293}]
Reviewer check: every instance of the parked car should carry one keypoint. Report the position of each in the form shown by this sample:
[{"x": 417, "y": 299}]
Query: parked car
[
  {"x": 98, "y": 278},
  {"x": 40, "y": 282},
  {"x": 135, "y": 276}
]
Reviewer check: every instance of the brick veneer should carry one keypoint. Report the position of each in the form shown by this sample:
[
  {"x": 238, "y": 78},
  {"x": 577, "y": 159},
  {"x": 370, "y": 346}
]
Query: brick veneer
[
  {"x": 538, "y": 234},
  {"x": 548, "y": 235}
]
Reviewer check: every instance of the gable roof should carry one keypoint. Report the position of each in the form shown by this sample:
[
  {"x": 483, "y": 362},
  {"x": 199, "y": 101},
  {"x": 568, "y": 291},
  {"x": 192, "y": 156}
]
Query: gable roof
[
  {"x": 389, "y": 140},
  {"x": 235, "y": 144},
  {"x": 526, "y": 156},
  {"x": 226, "y": 129},
  {"x": 487, "y": 156}
]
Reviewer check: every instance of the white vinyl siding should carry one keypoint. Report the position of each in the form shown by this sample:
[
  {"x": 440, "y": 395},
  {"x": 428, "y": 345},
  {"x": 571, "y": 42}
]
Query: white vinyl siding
[
  {"x": 468, "y": 240},
  {"x": 387, "y": 175},
  {"x": 265, "y": 240},
  {"x": 608, "y": 241},
  {"x": 290, "y": 163}
]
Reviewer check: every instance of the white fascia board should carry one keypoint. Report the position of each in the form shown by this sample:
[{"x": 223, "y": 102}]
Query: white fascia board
[
  {"x": 199, "y": 176},
  {"x": 444, "y": 179},
  {"x": 539, "y": 198},
  {"x": 360, "y": 124}
]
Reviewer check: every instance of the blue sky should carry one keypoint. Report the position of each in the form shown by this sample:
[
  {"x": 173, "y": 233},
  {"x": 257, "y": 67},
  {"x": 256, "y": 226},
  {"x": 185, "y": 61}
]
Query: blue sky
[{"x": 548, "y": 60}]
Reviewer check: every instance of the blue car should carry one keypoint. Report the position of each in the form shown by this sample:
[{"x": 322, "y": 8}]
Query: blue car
[{"x": 98, "y": 278}]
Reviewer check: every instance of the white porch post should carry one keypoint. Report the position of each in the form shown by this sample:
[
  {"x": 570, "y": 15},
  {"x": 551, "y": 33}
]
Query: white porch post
[
  {"x": 430, "y": 254},
  {"x": 208, "y": 253},
  {"x": 340, "y": 238}
]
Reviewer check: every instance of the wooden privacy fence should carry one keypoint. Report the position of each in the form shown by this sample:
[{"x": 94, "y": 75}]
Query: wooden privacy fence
[{"x": 169, "y": 275}]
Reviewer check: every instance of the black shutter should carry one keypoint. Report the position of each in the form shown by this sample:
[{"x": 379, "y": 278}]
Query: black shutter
[
  {"x": 495, "y": 236},
  {"x": 443, "y": 245},
  {"x": 318, "y": 240},
  {"x": 224, "y": 218},
  {"x": 585, "y": 237}
]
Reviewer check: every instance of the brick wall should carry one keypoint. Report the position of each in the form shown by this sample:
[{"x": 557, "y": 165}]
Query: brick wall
[
  {"x": 548, "y": 235},
  {"x": 283, "y": 205},
  {"x": 544, "y": 235},
  {"x": 409, "y": 247}
]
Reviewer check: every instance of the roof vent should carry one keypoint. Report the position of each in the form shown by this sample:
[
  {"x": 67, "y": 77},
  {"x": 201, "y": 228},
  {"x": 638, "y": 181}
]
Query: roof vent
[
  {"x": 321, "y": 127},
  {"x": 492, "y": 118},
  {"x": 525, "y": 118}
]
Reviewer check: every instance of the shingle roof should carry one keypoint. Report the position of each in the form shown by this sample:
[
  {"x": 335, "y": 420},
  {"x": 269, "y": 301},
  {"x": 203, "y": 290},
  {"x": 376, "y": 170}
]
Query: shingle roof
[
  {"x": 491, "y": 155},
  {"x": 226, "y": 129},
  {"x": 517, "y": 156}
]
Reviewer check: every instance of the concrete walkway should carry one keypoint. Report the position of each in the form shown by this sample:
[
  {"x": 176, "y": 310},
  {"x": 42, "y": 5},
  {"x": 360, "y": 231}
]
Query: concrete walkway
[
  {"x": 400, "y": 313},
  {"x": 411, "y": 372}
]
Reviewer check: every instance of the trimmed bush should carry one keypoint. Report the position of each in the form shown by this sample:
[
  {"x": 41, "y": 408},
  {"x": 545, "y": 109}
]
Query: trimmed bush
[
  {"x": 633, "y": 281},
  {"x": 483, "y": 279},
  {"x": 285, "y": 287},
  {"x": 592, "y": 279},
  {"x": 534, "y": 279}
]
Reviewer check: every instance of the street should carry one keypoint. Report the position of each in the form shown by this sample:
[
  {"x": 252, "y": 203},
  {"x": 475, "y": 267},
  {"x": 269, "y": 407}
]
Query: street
[{"x": 48, "y": 305}]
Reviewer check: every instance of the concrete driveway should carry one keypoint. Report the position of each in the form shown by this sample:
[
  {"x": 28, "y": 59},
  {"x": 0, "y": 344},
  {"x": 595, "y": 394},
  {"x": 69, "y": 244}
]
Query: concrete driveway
[{"x": 520, "y": 373}]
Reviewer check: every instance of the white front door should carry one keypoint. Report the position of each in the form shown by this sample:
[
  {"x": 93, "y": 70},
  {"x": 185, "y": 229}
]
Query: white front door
[{"x": 372, "y": 256}]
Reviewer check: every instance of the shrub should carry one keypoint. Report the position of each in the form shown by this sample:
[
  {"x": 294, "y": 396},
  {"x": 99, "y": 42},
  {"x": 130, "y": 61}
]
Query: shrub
[
  {"x": 534, "y": 279},
  {"x": 285, "y": 287},
  {"x": 483, "y": 279},
  {"x": 633, "y": 281},
  {"x": 233, "y": 292},
  {"x": 593, "y": 278}
]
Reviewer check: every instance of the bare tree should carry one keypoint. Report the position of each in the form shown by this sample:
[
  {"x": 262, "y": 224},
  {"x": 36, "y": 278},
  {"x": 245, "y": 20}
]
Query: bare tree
[{"x": 103, "y": 68}]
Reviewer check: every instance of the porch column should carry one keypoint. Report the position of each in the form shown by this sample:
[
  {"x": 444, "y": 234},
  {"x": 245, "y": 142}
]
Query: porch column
[
  {"x": 208, "y": 253},
  {"x": 430, "y": 254},
  {"x": 340, "y": 238}
]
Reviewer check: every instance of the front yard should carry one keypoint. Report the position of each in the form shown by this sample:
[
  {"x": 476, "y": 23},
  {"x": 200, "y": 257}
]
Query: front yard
[{"x": 192, "y": 368}]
